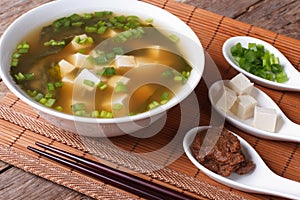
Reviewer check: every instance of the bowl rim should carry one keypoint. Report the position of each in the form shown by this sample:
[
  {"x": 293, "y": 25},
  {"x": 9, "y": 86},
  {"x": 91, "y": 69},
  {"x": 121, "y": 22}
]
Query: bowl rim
[{"x": 9, "y": 82}]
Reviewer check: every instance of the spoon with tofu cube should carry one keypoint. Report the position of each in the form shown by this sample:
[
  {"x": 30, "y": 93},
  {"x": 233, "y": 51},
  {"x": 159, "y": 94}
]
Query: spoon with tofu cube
[{"x": 251, "y": 110}]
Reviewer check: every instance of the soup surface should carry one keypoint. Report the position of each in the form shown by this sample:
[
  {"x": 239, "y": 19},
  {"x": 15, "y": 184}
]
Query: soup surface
[{"x": 100, "y": 65}]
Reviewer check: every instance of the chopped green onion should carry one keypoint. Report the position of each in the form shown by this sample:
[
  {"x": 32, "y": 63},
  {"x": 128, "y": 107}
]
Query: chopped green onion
[
  {"x": 102, "y": 14},
  {"x": 118, "y": 51},
  {"x": 16, "y": 55},
  {"x": 87, "y": 16},
  {"x": 166, "y": 73},
  {"x": 43, "y": 100},
  {"x": 23, "y": 45},
  {"x": 50, "y": 87},
  {"x": 149, "y": 20},
  {"x": 106, "y": 114},
  {"x": 24, "y": 77},
  {"x": 77, "y": 23},
  {"x": 178, "y": 78},
  {"x": 95, "y": 113},
  {"x": 82, "y": 113},
  {"x": 29, "y": 76},
  {"x": 31, "y": 93},
  {"x": 109, "y": 71},
  {"x": 77, "y": 107},
  {"x": 75, "y": 17},
  {"x": 120, "y": 87},
  {"x": 102, "y": 86},
  {"x": 110, "y": 55},
  {"x": 162, "y": 102},
  {"x": 59, "y": 108},
  {"x": 174, "y": 38},
  {"x": 101, "y": 30},
  {"x": 185, "y": 74},
  {"x": 22, "y": 48},
  {"x": 87, "y": 40},
  {"x": 14, "y": 62},
  {"x": 38, "y": 96},
  {"x": 117, "y": 106},
  {"x": 50, "y": 102},
  {"x": 258, "y": 61},
  {"x": 54, "y": 43},
  {"x": 48, "y": 95},
  {"x": 281, "y": 77},
  {"x": 89, "y": 82},
  {"x": 58, "y": 84},
  {"x": 101, "y": 59},
  {"x": 90, "y": 29},
  {"x": 153, "y": 104},
  {"x": 165, "y": 96}
]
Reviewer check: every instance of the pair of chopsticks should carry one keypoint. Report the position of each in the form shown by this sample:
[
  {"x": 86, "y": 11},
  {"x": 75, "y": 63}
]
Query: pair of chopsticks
[{"x": 114, "y": 177}]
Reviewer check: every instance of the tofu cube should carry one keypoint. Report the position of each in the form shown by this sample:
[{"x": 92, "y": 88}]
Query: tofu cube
[
  {"x": 244, "y": 106},
  {"x": 68, "y": 79},
  {"x": 78, "y": 60},
  {"x": 112, "y": 81},
  {"x": 85, "y": 85},
  {"x": 65, "y": 67},
  {"x": 265, "y": 118},
  {"x": 227, "y": 100},
  {"x": 123, "y": 61},
  {"x": 241, "y": 84}
]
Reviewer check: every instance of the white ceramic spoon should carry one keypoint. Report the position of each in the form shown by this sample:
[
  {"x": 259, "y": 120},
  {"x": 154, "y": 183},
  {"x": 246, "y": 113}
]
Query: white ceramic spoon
[
  {"x": 261, "y": 180},
  {"x": 285, "y": 130},
  {"x": 293, "y": 84}
]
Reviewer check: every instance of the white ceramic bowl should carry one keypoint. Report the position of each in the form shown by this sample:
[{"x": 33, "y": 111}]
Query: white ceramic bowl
[{"x": 45, "y": 14}]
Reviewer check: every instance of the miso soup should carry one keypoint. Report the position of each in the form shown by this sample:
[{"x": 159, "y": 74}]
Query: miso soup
[{"x": 100, "y": 65}]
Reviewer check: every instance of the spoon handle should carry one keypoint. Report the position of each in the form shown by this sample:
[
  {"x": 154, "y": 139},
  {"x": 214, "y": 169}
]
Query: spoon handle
[
  {"x": 279, "y": 186},
  {"x": 291, "y": 129}
]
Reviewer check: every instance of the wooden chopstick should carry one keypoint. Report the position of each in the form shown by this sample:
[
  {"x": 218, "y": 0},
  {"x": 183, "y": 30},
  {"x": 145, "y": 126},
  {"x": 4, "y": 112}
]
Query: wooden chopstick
[{"x": 109, "y": 175}]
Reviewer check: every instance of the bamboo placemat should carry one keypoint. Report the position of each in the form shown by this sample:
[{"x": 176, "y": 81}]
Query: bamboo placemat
[{"x": 20, "y": 126}]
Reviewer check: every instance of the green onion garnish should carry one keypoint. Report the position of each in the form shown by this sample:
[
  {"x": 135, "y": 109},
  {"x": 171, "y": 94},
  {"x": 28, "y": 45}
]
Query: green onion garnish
[
  {"x": 38, "y": 96},
  {"x": 102, "y": 86},
  {"x": 24, "y": 77},
  {"x": 117, "y": 106},
  {"x": 109, "y": 71},
  {"x": 89, "y": 82},
  {"x": 258, "y": 61},
  {"x": 153, "y": 104},
  {"x": 58, "y": 84},
  {"x": 120, "y": 87},
  {"x": 54, "y": 43},
  {"x": 50, "y": 102},
  {"x": 174, "y": 38},
  {"x": 50, "y": 87},
  {"x": 59, "y": 108},
  {"x": 165, "y": 96},
  {"x": 77, "y": 107},
  {"x": 106, "y": 114},
  {"x": 95, "y": 113}
]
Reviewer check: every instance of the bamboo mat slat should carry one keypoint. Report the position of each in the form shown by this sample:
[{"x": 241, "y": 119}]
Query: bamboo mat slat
[{"x": 20, "y": 126}]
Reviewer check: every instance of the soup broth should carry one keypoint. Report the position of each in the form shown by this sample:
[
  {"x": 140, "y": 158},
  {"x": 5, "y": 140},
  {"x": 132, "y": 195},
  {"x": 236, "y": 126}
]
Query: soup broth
[{"x": 100, "y": 65}]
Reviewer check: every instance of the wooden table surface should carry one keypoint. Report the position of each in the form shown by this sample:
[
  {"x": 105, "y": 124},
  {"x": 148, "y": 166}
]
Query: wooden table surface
[{"x": 281, "y": 16}]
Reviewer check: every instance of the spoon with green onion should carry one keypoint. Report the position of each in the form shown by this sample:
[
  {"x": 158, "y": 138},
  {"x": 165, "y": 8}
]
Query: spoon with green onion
[{"x": 261, "y": 62}]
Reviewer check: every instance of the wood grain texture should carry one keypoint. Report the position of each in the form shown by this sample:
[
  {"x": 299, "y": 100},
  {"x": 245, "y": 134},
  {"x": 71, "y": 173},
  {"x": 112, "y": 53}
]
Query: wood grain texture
[
  {"x": 28, "y": 186},
  {"x": 281, "y": 16}
]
